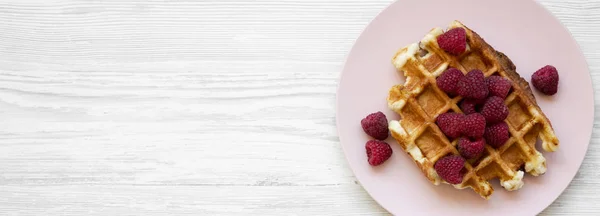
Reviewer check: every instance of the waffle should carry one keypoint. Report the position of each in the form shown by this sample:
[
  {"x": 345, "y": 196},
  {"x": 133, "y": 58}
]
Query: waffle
[{"x": 419, "y": 101}]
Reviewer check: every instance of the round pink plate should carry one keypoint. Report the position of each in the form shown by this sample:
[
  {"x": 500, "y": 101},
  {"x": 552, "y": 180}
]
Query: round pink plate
[{"x": 523, "y": 30}]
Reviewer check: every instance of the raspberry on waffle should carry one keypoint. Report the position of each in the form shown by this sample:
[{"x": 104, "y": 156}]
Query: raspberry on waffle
[{"x": 419, "y": 101}]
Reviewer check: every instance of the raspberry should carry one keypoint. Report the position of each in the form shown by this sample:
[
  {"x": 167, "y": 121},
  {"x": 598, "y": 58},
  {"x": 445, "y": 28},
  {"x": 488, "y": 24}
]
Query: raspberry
[
  {"x": 454, "y": 41},
  {"x": 378, "y": 152},
  {"x": 497, "y": 134},
  {"x": 447, "y": 81},
  {"x": 494, "y": 110},
  {"x": 449, "y": 168},
  {"x": 450, "y": 124},
  {"x": 470, "y": 106},
  {"x": 376, "y": 125},
  {"x": 546, "y": 80},
  {"x": 473, "y": 125},
  {"x": 472, "y": 85},
  {"x": 498, "y": 86},
  {"x": 470, "y": 149}
]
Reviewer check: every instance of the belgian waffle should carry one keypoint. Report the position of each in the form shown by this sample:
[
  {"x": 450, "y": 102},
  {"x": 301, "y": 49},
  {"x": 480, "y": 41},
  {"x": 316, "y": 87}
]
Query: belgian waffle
[{"x": 419, "y": 101}]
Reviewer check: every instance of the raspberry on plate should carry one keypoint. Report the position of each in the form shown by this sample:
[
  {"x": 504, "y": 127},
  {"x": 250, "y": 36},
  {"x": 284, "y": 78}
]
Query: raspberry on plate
[
  {"x": 546, "y": 80},
  {"x": 449, "y": 168},
  {"x": 378, "y": 152},
  {"x": 448, "y": 79},
  {"x": 450, "y": 124},
  {"x": 473, "y": 85},
  {"x": 494, "y": 110},
  {"x": 498, "y": 86},
  {"x": 473, "y": 125},
  {"x": 470, "y": 149},
  {"x": 454, "y": 41},
  {"x": 376, "y": 125},
  {"x": 497, "y": 134}
]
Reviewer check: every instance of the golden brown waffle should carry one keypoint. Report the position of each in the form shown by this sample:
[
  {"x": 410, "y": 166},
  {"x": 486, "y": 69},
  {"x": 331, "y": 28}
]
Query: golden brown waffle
[{"x": 419, "y": 101}]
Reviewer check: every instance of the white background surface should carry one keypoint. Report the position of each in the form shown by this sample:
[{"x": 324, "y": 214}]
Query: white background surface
[{"x": 198, "y": 107}]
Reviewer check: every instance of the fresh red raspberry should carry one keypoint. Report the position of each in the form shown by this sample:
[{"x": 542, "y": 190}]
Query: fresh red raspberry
[
  {"x": 470, "y": 106},
  {"x": 470, "y": 149},
  {"x": 473, "y": 125},
  {"x": 454, "y": 41},
  {"x": 375, "y": 125},
  {"x": 496, "y": 134},
  {"x": 378, "y": 152},
  {"x": 494, "y": 110},
  {"x": 450, "y": 124},
  {"x": 449, "y": 168},
  {"x": 498, "y": 86},
  {"x": 546, "y": 80},
  {"x": 472, "y": 85},
  {"x": 448, "y": 79}
]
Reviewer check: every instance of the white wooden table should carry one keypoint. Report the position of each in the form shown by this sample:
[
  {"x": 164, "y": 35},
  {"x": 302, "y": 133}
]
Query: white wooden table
[{"x": 185, "y": 107}]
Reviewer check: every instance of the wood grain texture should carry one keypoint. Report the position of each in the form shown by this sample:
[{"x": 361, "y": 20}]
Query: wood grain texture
[{"x": 188, "y": 107}]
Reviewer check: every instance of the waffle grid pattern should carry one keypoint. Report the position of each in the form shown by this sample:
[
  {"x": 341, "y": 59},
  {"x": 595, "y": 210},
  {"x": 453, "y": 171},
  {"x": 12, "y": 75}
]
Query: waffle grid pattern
[{"x": 419, "y": 101}]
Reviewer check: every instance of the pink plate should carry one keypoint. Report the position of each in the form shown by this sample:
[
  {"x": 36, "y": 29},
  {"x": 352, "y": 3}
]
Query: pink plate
[{"x": 523, "y": 30}]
